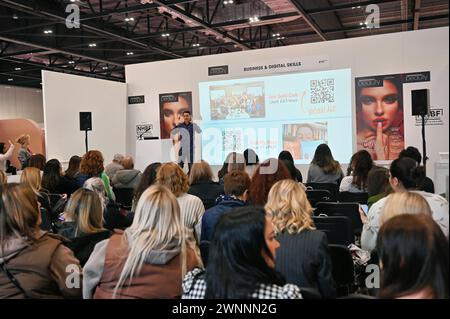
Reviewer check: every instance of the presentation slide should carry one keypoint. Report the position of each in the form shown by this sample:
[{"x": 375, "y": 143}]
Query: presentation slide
[{"x": 294, "y": 112}]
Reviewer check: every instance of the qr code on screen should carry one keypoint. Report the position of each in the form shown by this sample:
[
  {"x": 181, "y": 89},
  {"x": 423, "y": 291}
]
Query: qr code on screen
[
  {"x": 232, "y": 140},
  {"x": 322, "y": 91}
]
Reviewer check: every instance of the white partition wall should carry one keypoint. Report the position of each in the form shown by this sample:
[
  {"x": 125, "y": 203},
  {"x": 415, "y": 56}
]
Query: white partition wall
[
  {"x": 396, "y": 53},
  {"x": 65, "y": 96}
]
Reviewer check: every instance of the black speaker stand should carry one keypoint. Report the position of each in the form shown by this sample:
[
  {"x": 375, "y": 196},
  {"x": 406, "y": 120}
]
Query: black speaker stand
[
  {"x": 86, "y": 140},
  {"x": 424, "y": 143}
]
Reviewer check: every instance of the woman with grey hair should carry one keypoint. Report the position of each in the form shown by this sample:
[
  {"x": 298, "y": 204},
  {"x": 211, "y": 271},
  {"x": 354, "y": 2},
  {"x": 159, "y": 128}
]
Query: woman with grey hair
[{"x": 112, "y": 215}]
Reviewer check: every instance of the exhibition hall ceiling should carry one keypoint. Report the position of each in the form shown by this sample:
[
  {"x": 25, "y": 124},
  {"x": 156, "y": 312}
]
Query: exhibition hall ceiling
[{"x": 40, "y": 35}]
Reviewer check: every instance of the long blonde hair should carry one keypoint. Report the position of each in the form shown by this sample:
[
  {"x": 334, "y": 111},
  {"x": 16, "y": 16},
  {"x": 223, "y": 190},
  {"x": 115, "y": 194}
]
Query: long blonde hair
[
  {"x": 156, "y": 225},
  {"x": 85, "y": 207},
  {"x": 173, "y": 177},
  {"x": 400, "y": 203},
  {"x": 31, "y": 176},
  {"x": 289, "y": 208},
  {"x": 3, "y": 178}
]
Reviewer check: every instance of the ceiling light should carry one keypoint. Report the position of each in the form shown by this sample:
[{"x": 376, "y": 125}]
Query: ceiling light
[
  {"x": 10, "y": 79},
  {"x": 275, "y": 35},
  {"x": 48, "y": 31},
  {"x": 129, "y": 19},
  {"x": 105, "y": 68},
  {"x": 254, "y": 19},
  {"x": 228, "y": 2},
  {"x": 196, "y": 45},
  {"x": 91, "y": 45},
  {"x": 130, "y": 53},
  {"x": 17, "y": 69},
  {"x": 71, "y": 62},
  {"x": 15, "y": 16},
  {"x": 166, "y": 34}
]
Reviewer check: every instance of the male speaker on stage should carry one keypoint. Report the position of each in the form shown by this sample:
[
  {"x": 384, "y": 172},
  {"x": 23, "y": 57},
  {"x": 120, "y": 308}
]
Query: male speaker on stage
[{"x": 183, "y": 139}]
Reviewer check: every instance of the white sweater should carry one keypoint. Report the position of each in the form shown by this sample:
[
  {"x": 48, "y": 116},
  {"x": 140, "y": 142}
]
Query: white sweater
[
  {"x": 439, "y": 210},
  {"x": 5, "y": 157}
]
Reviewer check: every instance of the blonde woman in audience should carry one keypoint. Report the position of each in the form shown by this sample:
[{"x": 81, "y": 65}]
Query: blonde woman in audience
[
  {"x": 24, "y": 151},
  {"x": 404, "y": 175},
  {"x": 191, "y": 207},
  {"x": 31, "y": 176},
  {"x": 147, "y": 260},
  {"x": 82, "y": 223},
  {"x": 112, "y": 216},
  {"x": 303, "y": 257},
  {"x": 404, "y": 203},
  {"x": 36, "y": 260}
]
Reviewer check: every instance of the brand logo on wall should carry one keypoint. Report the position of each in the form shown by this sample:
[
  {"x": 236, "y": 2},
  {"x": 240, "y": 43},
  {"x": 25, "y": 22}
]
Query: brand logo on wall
[
  {"x": 362, "y": 83},
  {"x": 138, "y": 99},
  {"x": 417, "y": 77},
  {"x": 168, "y": 98},
  {"x": 217, "y": 70},
  {"x": 434, "y": 117}
]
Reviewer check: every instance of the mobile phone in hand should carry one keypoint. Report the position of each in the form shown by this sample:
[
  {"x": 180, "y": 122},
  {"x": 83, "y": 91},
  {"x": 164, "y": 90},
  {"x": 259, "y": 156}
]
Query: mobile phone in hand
[{"x": 365, "y": 208}]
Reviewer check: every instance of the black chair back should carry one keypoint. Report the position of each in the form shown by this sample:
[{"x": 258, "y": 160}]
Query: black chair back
[
  {"x": 351, "y": 210},
  {"x": 204, "y": 251},
  {"x": 342, "y": 269},
  {"x": 331, "y": 187},
  {"x": 350, "y": 197},
  {"x": 124, "y": 197},
  {"x": 315, "y": 196},
  {"x": 46, "y": 223},
  {"x": 338, "y": 229}
]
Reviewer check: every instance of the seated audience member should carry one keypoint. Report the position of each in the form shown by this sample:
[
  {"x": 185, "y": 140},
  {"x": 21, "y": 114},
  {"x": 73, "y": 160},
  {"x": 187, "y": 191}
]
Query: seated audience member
[
  {"x": 31, "y": 176},
  {"x": 236, "y": 185},
  {"x": 323, "y": 167},
  {"x": 147, "y": 260},
  {"x": 36, "y": 260},
  {"x": 128, "y": 177},
  {"x": 191, "y": 207},
  {"x": 38, "y": 161},
  {"x": 377, "y": 184},
  {"x": 116, "y": 165},
  {"x": 251, "y": 161},
  {"x": 241, "y": 263},
  {"x": 3, "y": 178},
  {"x": 360, "y": 166},
  {"x": 24, "y": 151},
  {"x": 267, "y": 173},
  {"x": 92, "y": 166},
  {"x": 288, "y": 160},
  {"x": 234, "y": 161},
  {"x": 148, "y": 178},
  {"x": 414, "y": 259},
  {"x": 5, "y": 156},
  {"x": 303, "y": 257},
  {"x": 55, "y": 182},
  {"x": 427, "y": 184},
  {"x": 404, "y": 176},
  {"x": 202, "y": 185},
  {"x": 82, "y": 223},
  {"x": 74, "y": 167},
  {"x": 112, "y": 216}
]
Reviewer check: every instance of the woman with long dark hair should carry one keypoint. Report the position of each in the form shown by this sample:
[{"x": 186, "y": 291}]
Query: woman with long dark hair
[
  {"x": 241, "y": 263},
  {"x": 360, "y": 165},
  {"x": 288, "y": 160},
  {"x": 323, "y": 167},
  {"x": 54, "y": 181},
  {"x": 414, "y": 258}
]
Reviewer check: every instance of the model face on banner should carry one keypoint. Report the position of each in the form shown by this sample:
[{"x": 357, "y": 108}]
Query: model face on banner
[
  {"x": 379, "y": 105},
  {"x": 173, "y": 113}
]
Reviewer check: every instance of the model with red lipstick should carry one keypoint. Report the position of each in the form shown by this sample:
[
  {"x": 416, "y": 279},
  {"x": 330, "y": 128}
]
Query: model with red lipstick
[{"x": 380, "y": 120}]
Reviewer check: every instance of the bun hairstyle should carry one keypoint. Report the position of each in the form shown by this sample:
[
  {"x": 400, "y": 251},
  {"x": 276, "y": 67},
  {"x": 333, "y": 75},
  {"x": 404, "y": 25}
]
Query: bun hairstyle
[{"x": 405, "y": 169}]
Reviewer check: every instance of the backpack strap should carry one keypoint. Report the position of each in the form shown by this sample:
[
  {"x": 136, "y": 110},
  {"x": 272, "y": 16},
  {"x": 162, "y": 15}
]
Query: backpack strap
[{"x": 13, "y": 279}]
